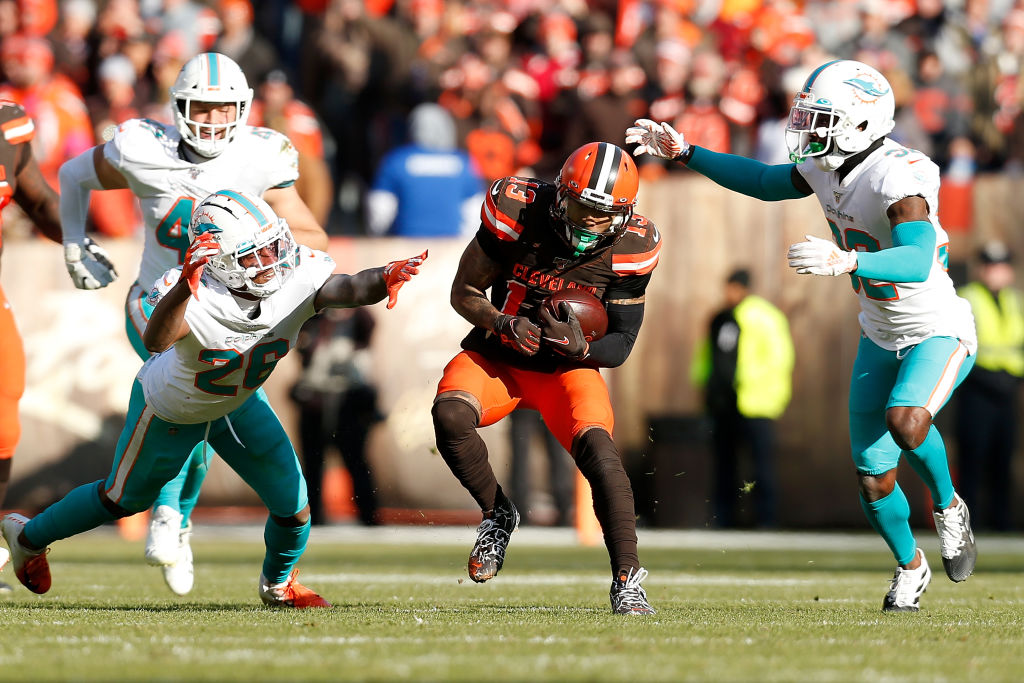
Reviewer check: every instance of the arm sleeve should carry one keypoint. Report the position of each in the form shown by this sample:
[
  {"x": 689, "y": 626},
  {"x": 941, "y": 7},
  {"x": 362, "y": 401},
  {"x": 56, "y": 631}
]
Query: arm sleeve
[
  {"x": 746, "y": 176},
  {"x": 77, "y": 179},
  {"x": 613, "y": 348},
  {"x": 908, "y": 260}
]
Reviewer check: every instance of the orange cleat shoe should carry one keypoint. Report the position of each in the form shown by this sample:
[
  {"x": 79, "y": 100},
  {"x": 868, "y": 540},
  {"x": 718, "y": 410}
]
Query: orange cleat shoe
[{"x": 291, "y": 593}]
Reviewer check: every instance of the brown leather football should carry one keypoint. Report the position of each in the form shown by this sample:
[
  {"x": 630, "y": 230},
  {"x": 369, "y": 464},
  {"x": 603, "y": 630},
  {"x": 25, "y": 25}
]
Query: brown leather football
[{"x": 588, "y": 308}]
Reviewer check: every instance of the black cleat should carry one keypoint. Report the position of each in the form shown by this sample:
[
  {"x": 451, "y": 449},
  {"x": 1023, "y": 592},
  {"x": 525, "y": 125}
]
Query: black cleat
[
  {"x": 627, "y": 596},
  {"x": 492, "y": 538}
]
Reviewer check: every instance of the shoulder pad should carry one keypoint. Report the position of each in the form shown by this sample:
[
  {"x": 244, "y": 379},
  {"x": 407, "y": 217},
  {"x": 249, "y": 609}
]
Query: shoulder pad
[
  {"x": 273, "y": 150},
  {"x": 16, "y": 125},
  {"x": 141, "y": 139},
  {"x": 509, "y": 203},
  {"x": 638, "y": 251}
]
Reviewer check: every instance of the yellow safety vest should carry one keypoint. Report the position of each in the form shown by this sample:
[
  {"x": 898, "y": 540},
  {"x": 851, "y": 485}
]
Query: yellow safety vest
[
  {"x": 764, "y": 360},
  {"x": 1000, "y": 323}
]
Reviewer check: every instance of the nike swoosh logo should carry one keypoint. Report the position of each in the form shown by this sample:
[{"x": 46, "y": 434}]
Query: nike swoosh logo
[{"x": 564, "y": 341}]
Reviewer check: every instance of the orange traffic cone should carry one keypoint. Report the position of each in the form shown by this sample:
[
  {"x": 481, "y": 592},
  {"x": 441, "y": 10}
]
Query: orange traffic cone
[{"x": 588, "y": 529}]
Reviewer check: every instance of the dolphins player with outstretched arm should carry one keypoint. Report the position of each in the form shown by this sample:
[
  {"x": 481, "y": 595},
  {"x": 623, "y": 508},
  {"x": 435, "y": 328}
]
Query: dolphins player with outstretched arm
[
  {"x": 170, "y": 168},
  {"x": 220, "y": 324},
  {"x": 918, "y": 343}
]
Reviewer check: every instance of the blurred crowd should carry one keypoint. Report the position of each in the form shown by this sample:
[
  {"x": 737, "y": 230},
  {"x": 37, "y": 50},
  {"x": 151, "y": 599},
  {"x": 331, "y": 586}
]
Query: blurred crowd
[{"x": 525, "y": 81}]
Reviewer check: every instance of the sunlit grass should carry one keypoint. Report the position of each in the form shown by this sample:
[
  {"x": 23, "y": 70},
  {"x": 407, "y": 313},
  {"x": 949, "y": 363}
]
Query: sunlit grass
[{"x": 406, "y": 612}]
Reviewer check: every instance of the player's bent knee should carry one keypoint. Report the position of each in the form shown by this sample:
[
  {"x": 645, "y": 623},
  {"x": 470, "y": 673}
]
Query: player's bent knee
[
  {"x": 300, "y": 518},
  {"x": 908, "y": 425},
  {"x": 117, "y": 510},
  {"x": 874, "y": 487},
  {"x": 453, "y": 415},
  {"x": 596, "y": 455}
]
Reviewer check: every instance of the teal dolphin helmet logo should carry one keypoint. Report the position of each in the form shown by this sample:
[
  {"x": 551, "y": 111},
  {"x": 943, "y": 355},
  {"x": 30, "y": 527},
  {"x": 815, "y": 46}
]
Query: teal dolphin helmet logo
[{"x": 867, "y": 87}]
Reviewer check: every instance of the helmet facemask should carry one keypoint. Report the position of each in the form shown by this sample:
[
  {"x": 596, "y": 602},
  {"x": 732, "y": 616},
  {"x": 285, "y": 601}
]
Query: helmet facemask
[
  {"x": 257, "y": 252},
  {"x": 812, "y": 129},
  {"x": 261, "y": 267},
  {"x": 580, "y": 238},
  {"x": 216, "y": 79}
]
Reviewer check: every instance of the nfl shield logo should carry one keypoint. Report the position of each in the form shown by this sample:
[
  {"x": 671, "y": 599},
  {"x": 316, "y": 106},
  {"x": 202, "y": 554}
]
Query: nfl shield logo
[{"x": 837, "y": 195}]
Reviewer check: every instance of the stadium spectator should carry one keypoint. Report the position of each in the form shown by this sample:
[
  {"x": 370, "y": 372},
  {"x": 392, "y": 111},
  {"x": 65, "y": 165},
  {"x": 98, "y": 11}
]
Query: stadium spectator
[
  {"x": 25, "y": 185},
  {"x": 239, "y": 40},
  {"x": 73, "y": 50},
  {"x": 114, "y": 213},
  {"x": 52, "y": 100},
  {"x": 518, "y": 353},
  {"x": 988, "y": 404},
  {"x": 337, "y": 402},
  {"x": 429, "y": 187},
  {"x": 918, "y": 345},
  {"x": 196, "y": 23},
  {"x": 613, "y": 100},
  {"x": 745, "y": 367},
  {"x": 169, "y": 56},
  {"x": 276, "y": 108},
  {"x": 202, "y": 306}
]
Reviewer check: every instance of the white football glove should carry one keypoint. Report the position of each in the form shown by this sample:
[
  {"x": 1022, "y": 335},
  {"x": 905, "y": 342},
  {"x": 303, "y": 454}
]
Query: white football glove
[
  {"x": 821, "y": 257},
  {"x": 88, "y": 264},
  {"x": 656, "y": 139}
]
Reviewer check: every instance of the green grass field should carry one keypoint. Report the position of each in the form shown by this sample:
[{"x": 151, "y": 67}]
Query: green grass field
[{"x": 728, "y": 610}]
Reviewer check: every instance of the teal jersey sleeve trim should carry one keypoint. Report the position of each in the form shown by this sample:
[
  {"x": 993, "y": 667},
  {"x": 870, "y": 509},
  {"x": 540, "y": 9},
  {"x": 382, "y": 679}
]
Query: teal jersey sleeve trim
[
  {"x": 283, "y": 185},
  {"x": 909, "y": 259},
  {"x": 753, "y": 178}
]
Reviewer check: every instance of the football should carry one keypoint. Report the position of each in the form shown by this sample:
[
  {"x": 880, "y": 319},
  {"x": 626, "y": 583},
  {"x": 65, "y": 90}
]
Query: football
[{"x": 588, "y": 308}]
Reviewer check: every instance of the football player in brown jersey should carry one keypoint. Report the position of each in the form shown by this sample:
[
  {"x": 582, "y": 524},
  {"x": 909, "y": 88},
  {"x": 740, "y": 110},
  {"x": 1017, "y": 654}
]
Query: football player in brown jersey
[
  {"x": 535, "y": 238},
  {"x": 20, "y": 180}
]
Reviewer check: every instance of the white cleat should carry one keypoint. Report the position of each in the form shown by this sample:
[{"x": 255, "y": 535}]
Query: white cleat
[
  {"x": 180, "y": 576},
  {"x": 907, "y": 587},
  {"x": 956, "y": 540},
  {"x": 162, "y": 543}
]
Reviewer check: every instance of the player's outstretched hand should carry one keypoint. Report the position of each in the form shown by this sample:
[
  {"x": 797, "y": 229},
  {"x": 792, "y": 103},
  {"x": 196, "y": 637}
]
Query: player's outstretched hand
[
  {"x": 397, "y": 273},
  {"x": 518, "y": 333},
  {"x": 88, "y": 264},
  {"x": 656, "y": 139},
  {"x": 821, "y": 257},
  {"x": 198, "y": 254},
  {"x": 564, "y": 336}
]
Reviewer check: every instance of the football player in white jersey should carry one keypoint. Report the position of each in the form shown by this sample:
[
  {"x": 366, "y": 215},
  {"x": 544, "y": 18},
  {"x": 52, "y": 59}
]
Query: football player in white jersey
[
  {"x": 880, "y": 201},
  {"x": 221, "y": 322},
  {"x": 170, "y": 168}
]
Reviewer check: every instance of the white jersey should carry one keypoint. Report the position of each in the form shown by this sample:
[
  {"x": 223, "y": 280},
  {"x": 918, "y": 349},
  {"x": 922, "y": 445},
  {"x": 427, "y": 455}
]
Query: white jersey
[
  {"x": 227, "y": 355},
  {"x": 149, "y": 155},
  {"x": 894, "y": 315}
]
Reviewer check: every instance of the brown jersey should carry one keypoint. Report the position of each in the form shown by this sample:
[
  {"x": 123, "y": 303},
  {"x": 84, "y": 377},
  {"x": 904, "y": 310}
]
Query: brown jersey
[
  {"x": 16, "y": 130},
  {"x": 518, "y": 232}
]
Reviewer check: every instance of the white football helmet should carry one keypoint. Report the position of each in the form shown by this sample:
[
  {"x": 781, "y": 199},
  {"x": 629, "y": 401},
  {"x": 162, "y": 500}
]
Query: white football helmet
[
  {"x": 246, "y": 228},
  {"x": 210, "y": 77},
  {"x": 843, "y": 107}
]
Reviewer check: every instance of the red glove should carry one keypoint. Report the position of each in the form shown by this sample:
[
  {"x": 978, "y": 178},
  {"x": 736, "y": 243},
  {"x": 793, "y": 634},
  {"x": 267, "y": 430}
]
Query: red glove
[
  {"x": 518, "y": 333},
  {"x": 199, "y": 252},
  {"x": 397, "y": 273}
]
